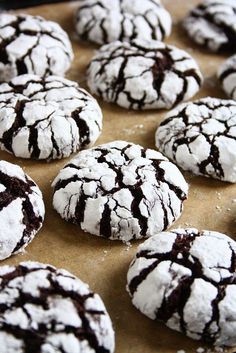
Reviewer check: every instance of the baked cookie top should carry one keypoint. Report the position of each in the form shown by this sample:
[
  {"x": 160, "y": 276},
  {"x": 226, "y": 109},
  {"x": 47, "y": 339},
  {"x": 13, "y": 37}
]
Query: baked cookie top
[
  {"x": 21, "y": 209},
  {"x": 104, "y": 21},
  {"x": 44, "y": 309},
  {"x": 227, "y": 76},
  {"x": 30, "y": 44},
  {"x": 186, "y": 278},
  {"x": 47, "y": 118},
  {"x": 212, "y": 24},
  {"x": 120, "y": 191},
  {"x": 200, "y": 137},
  {"x": 143, "y": 74}
]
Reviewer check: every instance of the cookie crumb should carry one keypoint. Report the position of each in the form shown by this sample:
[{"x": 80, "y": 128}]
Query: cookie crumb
[
  {"x": 200, "y": 350},
  {"x": 129, "y": 245}
]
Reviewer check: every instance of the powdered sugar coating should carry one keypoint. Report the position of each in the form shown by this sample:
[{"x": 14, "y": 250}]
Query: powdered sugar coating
[
  {"x": 227, "y": 76},
  {"x": 200, "y": 137},
  {"x": 140, "y": 74},
  {"x": 104, "y": 21},
  {"x": 30, "y": 44},
  {"x": 21, "y": 209},
  {"x": 47, "y": 118},
  {"x": 186, "y": 278},
  {"x": 47, "y": 310},
  {"x": 120, "y": 191},
  {"x": 212, "y": 24}
]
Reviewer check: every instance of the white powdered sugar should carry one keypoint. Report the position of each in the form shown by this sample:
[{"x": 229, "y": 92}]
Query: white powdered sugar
[
  {"x": 56, "y": 312},
  {"x": 194, "y": 293},
  {"x": 212, "y": 24},
  {"x": 104, "y": 21},
  {"x": 30, "y": 44},
  {"x": 120, "y": 191},
  {"x": 227, "y": 76},
  {"x": 143, "y": 74},
  {"x": 200, "y": 137},
  {"x": 47, "y": 118},
  {"x": 21, "y": 209}
]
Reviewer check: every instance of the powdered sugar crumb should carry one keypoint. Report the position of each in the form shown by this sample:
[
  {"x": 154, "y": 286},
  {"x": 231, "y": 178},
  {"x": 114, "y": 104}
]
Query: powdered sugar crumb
[{"x": 200, "y": 350}]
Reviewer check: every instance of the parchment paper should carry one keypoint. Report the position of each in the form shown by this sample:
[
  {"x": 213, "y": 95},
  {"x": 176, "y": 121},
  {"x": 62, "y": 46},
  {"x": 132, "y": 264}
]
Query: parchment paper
[{"x": 103, "y": 263}]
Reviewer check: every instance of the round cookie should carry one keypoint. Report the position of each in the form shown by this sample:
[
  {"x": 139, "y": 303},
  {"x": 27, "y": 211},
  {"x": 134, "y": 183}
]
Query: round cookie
[
  {"x": 187, "y": 279},
  {"x": 30, "y": 44},
  {"x": 227, "y": 76},
  {"x": 120, "y": 191},
  {"x": 47, "y": 118},
  {"x": 212, "y": 24},
  {"x": 143, "y": 74},
  {"x": 47, "y": 310},
  {"x": 21, "y": 209},
  {"x": 200, "y": 137},
  {"x": 104, "y": 21}
]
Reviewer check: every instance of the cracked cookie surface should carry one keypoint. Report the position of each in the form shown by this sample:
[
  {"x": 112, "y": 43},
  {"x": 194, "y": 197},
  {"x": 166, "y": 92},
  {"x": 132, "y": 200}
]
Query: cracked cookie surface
[
  {"x": 32, "y": 45},
  {"x": 143, "y": 74},
  {"x": 186, "y": 278},
  {"x": 120, "y": 191},
  {"x": 21, "y": 209},
  {"x": 104, "y": 21},
  {"x": 44, "y": 309},
  {"x": 200, "y": 137},
  {"x": 47, "y": 118},
  {"x": 212, "y": 24},
  {"x": 227, "y": 76}
]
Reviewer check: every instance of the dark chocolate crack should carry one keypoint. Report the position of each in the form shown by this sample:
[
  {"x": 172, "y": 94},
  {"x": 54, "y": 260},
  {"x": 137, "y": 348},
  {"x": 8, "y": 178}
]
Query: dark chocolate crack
[
  {"x": 98, "y": 15},
  {"x": 226, "y": 76},
  {"x": 42, "y": 92},
  {"x": 34, "y": 338},
  {"x": 221, "y": 24},
  {"x": 176, "y": 300},
  {"x": 177, "y": 137},
  {"x": 22, "y": 64},
  {"x": 138, "y": 197},
  {"x": 163, "y": 63},
  {"x": 19, "y": 189}
]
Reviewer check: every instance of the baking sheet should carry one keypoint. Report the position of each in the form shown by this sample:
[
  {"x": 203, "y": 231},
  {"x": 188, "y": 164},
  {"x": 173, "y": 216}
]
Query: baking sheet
[{"x": 103, "y": 263}]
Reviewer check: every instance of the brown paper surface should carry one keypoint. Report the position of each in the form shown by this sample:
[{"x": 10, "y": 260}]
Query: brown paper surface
[{"x": 103, "y": 263}]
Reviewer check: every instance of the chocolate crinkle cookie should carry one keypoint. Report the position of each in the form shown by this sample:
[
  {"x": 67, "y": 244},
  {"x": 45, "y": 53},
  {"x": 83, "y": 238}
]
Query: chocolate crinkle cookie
[
  {"x": 187, "y": 279},
  {"x": 47, "y": 118},
  {"x": 143, "y": 74},
  {"x": 227, "y": 76},
  {"x": 104, "y": 21},
  {"x": 200, "y": 137},
  {"x": 30, "y": 44},
  {"x": 48, "y": 310},
  {"x": 212, "y": 24},
  {"x": 21, "y": 210},
  {"x": 120, "y": 191}
]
